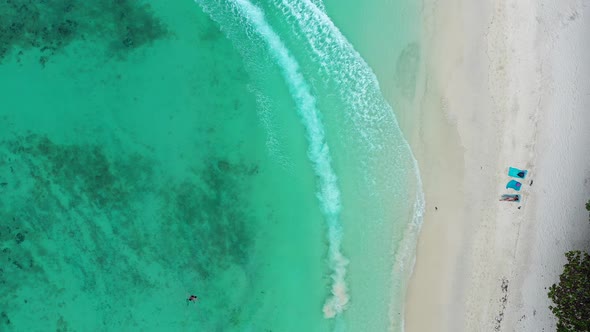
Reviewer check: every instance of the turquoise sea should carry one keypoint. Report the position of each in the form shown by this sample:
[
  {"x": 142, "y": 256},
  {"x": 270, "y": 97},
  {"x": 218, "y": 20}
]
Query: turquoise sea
[{"x": 239, "y": 150}]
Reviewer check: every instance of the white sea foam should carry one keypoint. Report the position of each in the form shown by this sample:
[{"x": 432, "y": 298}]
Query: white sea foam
[
  {"x": 318, "y": 152},
  {"x": 341, "y": 64},
  {"x": 273, "y": 139},
  {"x": 366, "y": 111}
]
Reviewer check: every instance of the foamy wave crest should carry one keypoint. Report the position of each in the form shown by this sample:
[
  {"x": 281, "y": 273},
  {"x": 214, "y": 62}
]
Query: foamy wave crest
[
  {"x": 405, "y": 258},
  {"x": 367, "y": 111},
  {"x": 342, "y": 65},
  {"x": 266, "y": 119},
  {"x": 319, "y": 4},
  {"x": 318, "y": 152}
]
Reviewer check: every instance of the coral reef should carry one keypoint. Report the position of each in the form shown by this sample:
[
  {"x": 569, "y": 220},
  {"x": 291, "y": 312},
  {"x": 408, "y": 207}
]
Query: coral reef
[
  {"x": 49, "y": 26},
  {"x": 81, "y": 208}
]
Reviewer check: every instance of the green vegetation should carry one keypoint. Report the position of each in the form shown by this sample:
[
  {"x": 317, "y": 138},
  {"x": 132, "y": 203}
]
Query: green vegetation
[{"x": 572, "y": 295}]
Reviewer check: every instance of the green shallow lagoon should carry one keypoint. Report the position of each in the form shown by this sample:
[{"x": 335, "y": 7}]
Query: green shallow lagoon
[{"x": 152, "y": 152}]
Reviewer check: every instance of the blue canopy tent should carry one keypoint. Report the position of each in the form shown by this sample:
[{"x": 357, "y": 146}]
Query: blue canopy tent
[
  {"x": 513, "y": 184},
  {"x": 517, "y": 173}
]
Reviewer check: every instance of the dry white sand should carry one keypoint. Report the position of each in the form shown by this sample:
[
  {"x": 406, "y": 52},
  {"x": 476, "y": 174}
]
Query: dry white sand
[{"x": 504, "y": 83}]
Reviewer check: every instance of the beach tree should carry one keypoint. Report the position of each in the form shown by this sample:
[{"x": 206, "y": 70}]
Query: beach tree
[
  {"x": 571, "y": 295},
  {"x": 588, "y": 208}
]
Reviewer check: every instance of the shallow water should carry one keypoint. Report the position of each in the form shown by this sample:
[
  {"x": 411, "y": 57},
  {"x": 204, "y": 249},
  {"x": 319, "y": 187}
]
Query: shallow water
[{"x": 240, "y": 151}]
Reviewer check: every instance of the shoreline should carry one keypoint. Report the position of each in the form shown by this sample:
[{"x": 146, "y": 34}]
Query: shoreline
[{"x": 486, "y": 93}]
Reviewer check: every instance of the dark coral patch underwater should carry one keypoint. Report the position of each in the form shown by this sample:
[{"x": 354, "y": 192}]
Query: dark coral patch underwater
[
  {"x": 51, "y": 25},
  {"x": 79, "y": 210}
]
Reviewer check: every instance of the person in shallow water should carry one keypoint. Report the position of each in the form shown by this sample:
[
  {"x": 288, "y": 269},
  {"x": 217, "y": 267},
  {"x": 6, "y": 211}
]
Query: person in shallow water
[{"x": 192, "y": 298}]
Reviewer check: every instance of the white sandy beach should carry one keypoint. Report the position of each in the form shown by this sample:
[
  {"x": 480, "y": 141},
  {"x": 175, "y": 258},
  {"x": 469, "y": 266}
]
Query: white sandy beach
[{"x": 504, "y": 83}]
